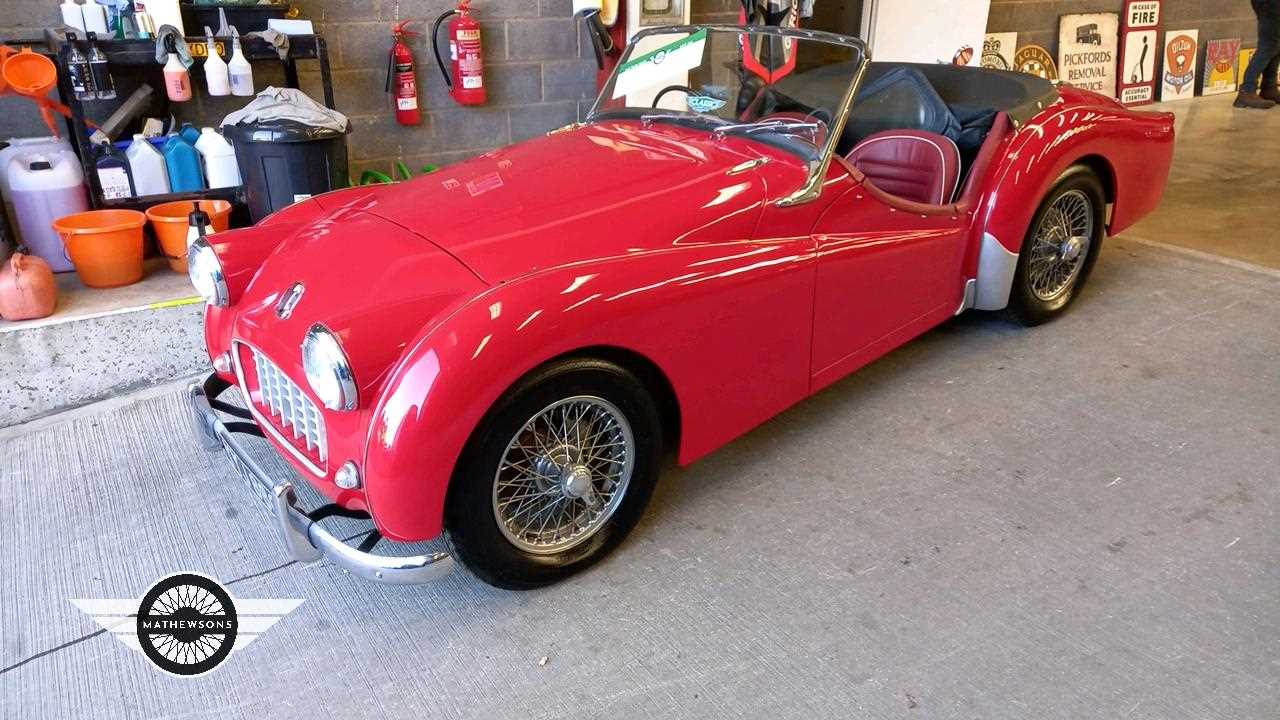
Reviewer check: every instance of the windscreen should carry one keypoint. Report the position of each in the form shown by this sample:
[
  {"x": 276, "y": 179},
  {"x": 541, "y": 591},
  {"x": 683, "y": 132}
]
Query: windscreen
[{"x": 768, "y": 85}]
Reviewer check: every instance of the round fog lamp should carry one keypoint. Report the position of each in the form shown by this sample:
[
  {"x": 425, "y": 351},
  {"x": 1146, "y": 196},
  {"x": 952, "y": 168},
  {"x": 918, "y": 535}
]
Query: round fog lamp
[{"x": 347, "y": 477}]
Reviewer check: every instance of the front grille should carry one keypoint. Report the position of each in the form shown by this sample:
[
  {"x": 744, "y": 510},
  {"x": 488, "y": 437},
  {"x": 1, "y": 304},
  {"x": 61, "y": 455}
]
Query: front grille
[{"x": 289, "y": 408}]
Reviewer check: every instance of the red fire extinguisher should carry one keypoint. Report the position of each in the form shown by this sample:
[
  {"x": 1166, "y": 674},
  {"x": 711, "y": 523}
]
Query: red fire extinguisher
[
  {"x": 401, "y": 76},
  {"x": 466, "y": 81}
]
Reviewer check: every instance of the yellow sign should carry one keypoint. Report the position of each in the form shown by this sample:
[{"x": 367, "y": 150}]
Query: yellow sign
[
  {"x": 199, "y": 50},
  {"x": 1246, "y": 54}
]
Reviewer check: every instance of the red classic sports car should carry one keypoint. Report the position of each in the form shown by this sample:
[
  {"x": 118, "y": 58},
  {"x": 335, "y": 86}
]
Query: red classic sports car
[{"x": 500, "y": 352}]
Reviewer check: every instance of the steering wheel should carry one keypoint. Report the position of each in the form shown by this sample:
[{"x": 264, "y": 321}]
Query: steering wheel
[{"x": 682, "y": 88}]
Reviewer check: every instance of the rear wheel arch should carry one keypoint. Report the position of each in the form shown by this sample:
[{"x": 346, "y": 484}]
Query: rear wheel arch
[{"x": 996, "y": 262}]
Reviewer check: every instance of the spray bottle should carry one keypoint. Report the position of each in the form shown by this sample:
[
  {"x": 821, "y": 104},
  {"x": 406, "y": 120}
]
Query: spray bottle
[
  {"x": 239, "y": 68},
  {"x": 197, "y": 226},
  {"x": 177, "y": 81},
  {"x": 215, "y": 68}
]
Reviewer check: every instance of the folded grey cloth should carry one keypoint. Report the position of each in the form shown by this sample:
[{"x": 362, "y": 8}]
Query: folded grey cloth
[
  {"x": 179, "y": 44},
  {"x": 278, "y": 40},
  {"x": 288, "y": 104}
]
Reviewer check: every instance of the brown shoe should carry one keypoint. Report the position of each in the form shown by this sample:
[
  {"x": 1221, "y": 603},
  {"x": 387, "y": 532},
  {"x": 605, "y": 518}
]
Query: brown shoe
[
  {"x": 1270, "y": 93},
  {"x": 1253, "y": 101}
]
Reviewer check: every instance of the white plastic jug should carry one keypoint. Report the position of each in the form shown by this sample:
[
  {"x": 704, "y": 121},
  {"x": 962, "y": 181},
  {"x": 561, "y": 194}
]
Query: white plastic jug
[
  {"x": 220, "y": 167},
  {"x": 150, "y": 176},
  {"x": 47, "y": 145},
  {"x": 46, "y": 187}
]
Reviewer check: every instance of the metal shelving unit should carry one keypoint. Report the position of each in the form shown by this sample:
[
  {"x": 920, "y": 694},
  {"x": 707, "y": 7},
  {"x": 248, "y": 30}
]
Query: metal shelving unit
[{"x": 133, "y": 62}]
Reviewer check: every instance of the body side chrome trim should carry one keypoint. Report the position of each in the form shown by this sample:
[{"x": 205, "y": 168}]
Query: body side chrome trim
[
  {"x": 996, "y": 268},
  {"x": 966, "y": 301}
]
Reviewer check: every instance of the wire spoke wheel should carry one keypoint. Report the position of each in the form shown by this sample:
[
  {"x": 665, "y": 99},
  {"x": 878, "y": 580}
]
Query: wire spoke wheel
[
  {"x": 1060, "y": 245},
  {"x": 563, "y": 474}
]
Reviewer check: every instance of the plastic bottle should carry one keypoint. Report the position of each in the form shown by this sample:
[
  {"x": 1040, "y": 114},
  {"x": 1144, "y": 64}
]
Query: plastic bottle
[
  {"x": 72, "y": 14},
  {"x": 50, "y": 146},
  {"x": 45, "y": 188},
  {"x": 219, "y": 159},
  {"x": 240, "y": 70},
  {"x": 150, "y": 176},
  {"x": 95, "y": 17},
  {"x": 177, "y": 81},
  {"x": 167, "y": 12},
  {"x": 198, "y": 226},
  {"x": 114, "y": 176},
  {"x": 102, "y": 82},
  {"x": 189, "y": 132},
  {"x": 216, "y": 73},
  {"x": 79, "y": 72},
  {"x": 183, "y": 163}
]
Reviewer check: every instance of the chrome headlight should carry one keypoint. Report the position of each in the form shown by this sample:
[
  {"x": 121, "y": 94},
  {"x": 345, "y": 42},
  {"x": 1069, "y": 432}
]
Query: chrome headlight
[
  {"x": 328, "y": 370},
  {"x": 205, "y": 270}
]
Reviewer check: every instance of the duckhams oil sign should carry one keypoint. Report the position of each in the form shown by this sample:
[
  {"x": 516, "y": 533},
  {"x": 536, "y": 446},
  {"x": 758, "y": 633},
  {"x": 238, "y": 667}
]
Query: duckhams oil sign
[{"x": 1087, "y": 51}]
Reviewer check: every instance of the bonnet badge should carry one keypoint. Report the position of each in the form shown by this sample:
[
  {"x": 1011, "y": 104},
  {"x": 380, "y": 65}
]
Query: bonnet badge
[{"x": 289, "y": 300}]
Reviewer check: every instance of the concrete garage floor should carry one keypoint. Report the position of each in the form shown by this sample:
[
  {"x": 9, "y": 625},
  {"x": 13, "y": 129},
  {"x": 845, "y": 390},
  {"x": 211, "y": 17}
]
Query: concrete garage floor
[{"x": 1074, "y": 521}]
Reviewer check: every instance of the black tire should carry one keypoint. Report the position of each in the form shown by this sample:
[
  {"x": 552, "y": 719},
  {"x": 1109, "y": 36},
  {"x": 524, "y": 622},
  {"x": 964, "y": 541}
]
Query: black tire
[
  {"x": 1025, "y": 305},
  {"x": 471, "y": 525}
]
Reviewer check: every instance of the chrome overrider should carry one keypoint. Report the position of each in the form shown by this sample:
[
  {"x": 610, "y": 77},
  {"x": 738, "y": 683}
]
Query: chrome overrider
[{"x": 305, "y": 540}]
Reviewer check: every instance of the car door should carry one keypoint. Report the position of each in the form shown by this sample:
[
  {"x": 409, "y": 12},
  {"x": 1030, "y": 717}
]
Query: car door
[{"x": 883, "y": 276}]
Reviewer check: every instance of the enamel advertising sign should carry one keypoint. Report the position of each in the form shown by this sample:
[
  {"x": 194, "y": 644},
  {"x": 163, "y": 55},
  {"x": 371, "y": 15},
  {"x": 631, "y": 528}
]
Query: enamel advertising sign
[
  {"x": 998, "y": 50},
  {"x": 1220, "y": 58},
  {"x": 1087, "y": 51},
  {"x": 1180, "y": 50},
  {"x": 1139, "y": 48}
]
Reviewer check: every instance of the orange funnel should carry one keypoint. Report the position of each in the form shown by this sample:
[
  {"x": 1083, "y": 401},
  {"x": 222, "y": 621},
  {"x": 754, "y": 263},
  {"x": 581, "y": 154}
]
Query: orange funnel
[{"x": 31, "y": 75}]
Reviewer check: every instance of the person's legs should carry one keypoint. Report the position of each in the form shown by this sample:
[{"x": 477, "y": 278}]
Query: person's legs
[
  {"x": 1262, "y": 67},
  {"x": 1268, "y": 78}
]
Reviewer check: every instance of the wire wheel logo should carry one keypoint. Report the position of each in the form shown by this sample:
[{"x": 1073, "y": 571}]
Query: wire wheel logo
[{"x": 187, "y": 624}]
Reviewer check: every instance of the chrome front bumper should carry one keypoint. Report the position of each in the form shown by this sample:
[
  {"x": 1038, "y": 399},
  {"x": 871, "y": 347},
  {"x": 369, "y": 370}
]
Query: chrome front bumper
[{"x": 305, "y": 540}]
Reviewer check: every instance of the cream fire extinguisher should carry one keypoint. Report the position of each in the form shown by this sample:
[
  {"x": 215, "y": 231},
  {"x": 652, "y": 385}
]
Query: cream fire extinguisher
[
  {"x": 466, "y": 81},
  {"x": 401, "y": 77}
]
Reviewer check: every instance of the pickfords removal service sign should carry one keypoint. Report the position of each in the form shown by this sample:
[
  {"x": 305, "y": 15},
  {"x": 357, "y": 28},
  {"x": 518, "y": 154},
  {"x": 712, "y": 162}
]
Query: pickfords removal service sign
[{"x": 1087, "y": 51}]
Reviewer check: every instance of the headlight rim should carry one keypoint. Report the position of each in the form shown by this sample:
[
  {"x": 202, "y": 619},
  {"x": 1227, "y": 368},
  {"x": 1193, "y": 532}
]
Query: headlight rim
[
  {"x": 221, "y": 293},
  {"x": 340, "y": 366}
]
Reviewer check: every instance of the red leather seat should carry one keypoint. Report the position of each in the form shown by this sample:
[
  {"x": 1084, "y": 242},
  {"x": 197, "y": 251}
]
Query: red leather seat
[{"x": 920, "y": 166}]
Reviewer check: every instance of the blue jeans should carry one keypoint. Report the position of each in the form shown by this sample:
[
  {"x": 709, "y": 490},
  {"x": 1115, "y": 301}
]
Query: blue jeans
[{"x": 1267, "y": 59}]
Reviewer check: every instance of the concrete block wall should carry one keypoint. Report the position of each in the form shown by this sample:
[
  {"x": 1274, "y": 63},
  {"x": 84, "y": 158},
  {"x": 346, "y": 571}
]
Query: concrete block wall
[{"x": 539, "y": 72}]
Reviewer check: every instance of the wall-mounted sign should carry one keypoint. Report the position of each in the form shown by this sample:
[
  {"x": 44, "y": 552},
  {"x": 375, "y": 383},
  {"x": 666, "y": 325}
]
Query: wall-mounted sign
[
  {"x": 1087, "y": 51},
  {"x": 1180, "y": 49},
  {"x": 1139, "y": 48},
  {"x": 1246, "y": 54},
  {"x": 1220, "y": 58},
  {"x": 998, "y": 50},
  {"x": 1035, "y": 60},
  {"x": 929, "y": 31}
]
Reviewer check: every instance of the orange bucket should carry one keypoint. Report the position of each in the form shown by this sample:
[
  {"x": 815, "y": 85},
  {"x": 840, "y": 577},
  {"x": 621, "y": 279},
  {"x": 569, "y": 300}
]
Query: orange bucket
[
  {"x": 105, "y": 246},
  {"x": 170, "y": 222}
]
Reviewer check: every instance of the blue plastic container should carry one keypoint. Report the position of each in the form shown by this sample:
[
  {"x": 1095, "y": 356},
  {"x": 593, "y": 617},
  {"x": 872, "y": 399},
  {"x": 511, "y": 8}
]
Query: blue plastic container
[
  {"x": 189, "y": 132},
  {"x": 183, "y": 163}
]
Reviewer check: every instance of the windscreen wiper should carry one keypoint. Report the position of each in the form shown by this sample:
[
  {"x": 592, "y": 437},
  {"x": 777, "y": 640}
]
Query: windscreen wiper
[{"x": 771, "y": 125}]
